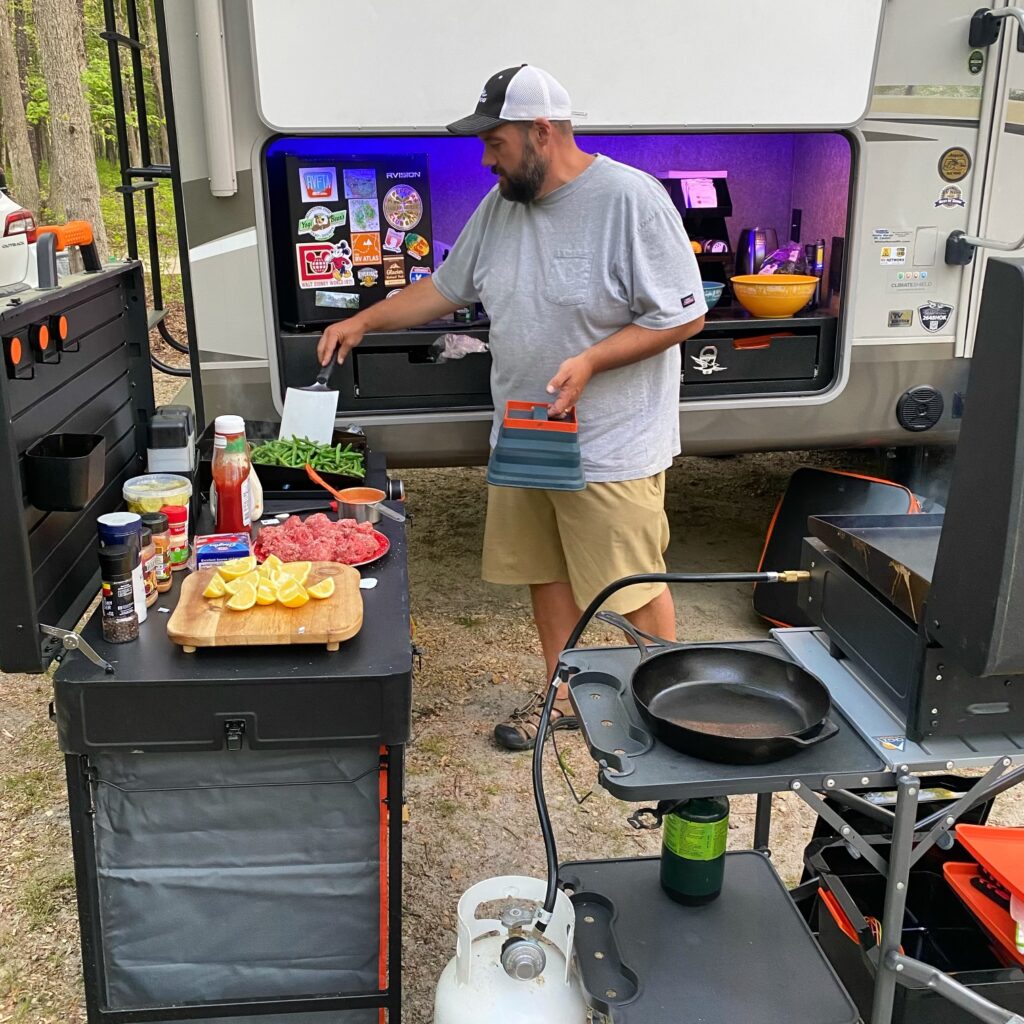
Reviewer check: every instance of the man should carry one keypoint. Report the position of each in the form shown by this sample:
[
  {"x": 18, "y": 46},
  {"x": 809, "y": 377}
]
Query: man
[{"x": 590, "y": 282}]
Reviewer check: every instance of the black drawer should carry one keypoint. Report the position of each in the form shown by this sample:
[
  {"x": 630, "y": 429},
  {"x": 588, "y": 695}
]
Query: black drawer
[
  {"x": 785, "y": 355},
  {"x": 409, "y": 374},
  {"x": 748, "y": 358}
]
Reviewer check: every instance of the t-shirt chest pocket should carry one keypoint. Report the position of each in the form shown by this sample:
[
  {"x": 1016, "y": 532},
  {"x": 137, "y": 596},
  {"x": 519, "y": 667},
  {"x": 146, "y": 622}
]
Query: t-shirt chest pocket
[{"x": 567, "y": 281}]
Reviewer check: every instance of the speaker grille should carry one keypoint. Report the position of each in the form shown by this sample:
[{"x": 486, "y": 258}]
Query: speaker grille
[{"x": 920, "y": 408}]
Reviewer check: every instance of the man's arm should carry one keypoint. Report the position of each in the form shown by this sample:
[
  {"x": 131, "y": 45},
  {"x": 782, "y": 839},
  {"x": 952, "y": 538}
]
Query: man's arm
[
  {"x": 629, "y": 345},
  {"x": 414, "y": 305}
]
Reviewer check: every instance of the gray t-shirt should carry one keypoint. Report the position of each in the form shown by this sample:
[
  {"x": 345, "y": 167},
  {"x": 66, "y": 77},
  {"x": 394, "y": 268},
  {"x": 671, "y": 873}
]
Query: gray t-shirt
[{"x": 558, "y": 275}]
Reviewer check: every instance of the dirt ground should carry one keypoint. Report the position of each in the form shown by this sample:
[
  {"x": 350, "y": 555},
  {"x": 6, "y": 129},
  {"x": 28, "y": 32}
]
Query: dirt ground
[{"x": 471, "y": 808}]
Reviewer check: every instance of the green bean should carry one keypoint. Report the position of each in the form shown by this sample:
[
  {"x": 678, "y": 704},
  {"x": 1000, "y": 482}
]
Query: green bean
[{"x": 295, "y": 452}]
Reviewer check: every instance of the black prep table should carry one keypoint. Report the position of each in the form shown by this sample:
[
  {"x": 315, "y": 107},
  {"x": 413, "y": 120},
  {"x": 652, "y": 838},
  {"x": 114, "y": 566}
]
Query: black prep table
[
  {"x": 208, "y": 793},
  {"x": 298, "y": 695}
]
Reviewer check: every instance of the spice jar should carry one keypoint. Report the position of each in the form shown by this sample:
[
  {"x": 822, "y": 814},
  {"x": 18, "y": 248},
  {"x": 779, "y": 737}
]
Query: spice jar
[
  {"x": 148, "y": 565},
  {"x": 118, "y": 617},
  {"x": 157, "y": 523},
  {"x": 177, "y": 527},
  {"x": 126, "y": 528}
]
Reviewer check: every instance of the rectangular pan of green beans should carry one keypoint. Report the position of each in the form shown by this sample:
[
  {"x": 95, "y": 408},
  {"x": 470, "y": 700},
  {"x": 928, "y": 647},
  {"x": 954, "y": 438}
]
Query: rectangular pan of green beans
[{"x": 280, "y": 464}]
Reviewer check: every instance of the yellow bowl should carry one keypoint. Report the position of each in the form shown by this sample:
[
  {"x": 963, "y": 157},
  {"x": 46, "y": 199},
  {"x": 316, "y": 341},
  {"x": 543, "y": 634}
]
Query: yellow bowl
[{"x": 773, "y": 296}]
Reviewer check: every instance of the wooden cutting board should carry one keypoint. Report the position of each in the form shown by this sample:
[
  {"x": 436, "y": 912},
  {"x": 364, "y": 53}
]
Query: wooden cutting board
[{"x": 198, "y": 621}]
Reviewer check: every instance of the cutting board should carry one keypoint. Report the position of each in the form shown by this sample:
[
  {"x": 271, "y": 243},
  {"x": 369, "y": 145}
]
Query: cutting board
[{"x": 198, "y": 621}]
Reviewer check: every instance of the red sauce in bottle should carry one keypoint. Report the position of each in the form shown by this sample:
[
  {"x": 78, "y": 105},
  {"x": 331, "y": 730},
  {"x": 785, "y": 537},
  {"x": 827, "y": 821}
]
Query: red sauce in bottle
[{"x": 231, "y": 475}]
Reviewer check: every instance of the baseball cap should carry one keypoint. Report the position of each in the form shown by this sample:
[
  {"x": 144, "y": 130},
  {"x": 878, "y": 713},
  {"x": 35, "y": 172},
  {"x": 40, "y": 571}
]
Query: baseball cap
[{"x": 516, "y": 94}]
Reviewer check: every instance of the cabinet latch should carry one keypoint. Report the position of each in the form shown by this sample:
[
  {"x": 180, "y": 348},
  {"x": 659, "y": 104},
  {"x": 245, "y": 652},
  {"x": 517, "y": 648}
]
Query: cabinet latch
[{"x": 234, "y": 730}]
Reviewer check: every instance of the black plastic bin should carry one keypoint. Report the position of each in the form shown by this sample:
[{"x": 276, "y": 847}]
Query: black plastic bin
[
  {"x": 938, "y": 930},
  {"x": 64, "y": 472}
]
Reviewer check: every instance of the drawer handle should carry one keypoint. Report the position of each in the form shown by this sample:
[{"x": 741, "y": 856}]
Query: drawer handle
[{"x": 759, "y": 340}]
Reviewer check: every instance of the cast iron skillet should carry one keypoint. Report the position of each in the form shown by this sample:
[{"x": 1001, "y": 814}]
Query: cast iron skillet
[{"x": 725, "y": 704}]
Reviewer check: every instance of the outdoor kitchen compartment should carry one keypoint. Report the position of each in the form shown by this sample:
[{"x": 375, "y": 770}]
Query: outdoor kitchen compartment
[{"x": 736, "y": 356}]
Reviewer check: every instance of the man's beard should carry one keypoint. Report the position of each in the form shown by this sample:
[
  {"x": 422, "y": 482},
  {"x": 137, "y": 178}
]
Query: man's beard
[{"x": 524, "y": 185}]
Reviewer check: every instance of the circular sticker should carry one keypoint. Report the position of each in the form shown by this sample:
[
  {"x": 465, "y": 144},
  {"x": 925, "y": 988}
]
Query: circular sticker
[
  {"x": 403, "y": 207},
  {"x": 954, "y": 164},
  {"x": 975, "y": 62}
]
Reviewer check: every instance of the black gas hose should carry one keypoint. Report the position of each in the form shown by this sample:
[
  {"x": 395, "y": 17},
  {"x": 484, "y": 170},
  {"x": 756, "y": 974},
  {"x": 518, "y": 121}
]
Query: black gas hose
[{"x": 550, "y": 849}]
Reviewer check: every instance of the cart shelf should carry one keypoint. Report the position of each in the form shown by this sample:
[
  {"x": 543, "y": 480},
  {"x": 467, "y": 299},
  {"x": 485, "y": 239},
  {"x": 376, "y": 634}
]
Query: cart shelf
[
  {"x": 748, "y": 956},
  {"x": 634, "y": 766}
]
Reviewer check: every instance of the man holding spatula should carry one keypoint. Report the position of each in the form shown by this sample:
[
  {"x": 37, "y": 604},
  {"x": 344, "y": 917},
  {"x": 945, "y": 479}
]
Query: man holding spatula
[{"x": 591, "y": 284}]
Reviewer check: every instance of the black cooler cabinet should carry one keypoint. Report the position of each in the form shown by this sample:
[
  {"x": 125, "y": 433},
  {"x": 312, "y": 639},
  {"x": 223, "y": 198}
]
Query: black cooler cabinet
[
  {"x": 235, "y": 813},
  {"x": 236, "y": 820}
]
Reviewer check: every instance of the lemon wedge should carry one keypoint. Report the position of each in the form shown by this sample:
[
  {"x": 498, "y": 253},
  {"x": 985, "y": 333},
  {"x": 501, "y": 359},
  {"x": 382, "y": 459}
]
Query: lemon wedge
[
  {"x": 266, "y": 593},
  {"x": 292, "y": 594},
  {"x": 322, "y": 589},
  {"x": 244, "y": 599},
  {"x": 299, "y": 571},
  {"x": 237, "y": 567},
  {"x": 251, "y": 579},
  {"x": 273, "y": 563},
  {"x": 215, "y": 588}
]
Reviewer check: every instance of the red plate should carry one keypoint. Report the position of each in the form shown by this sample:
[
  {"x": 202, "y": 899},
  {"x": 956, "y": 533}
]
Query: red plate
[{"x": 383, "y": 547}]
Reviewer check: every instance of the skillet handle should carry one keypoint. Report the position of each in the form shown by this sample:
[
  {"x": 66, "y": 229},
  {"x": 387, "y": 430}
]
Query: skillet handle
[
  {"x": 638, "y": 636},
  {"x": 828, "y": 730}
]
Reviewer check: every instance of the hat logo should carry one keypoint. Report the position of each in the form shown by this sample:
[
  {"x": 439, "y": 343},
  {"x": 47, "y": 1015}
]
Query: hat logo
[{"x": 483, "y": 96}]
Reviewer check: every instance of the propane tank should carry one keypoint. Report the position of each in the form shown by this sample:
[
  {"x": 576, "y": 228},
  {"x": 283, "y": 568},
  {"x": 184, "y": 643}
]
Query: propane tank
[{"x": 505, "y": 970}]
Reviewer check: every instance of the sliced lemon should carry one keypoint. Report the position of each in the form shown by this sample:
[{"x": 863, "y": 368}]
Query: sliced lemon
[
  {"x": 322, "y": 589},
  {"x": 273, "y": 563},
  {"x": 292, "y": 595},
  {"x": 215, "y": 588},
  {"x": 244, "y": 599},
  {"x": 266, "y": 593},
  {"x": 299, "y": 571},
  {"x": 237, "y": 567},
  {"x": 251, "y": 579}
]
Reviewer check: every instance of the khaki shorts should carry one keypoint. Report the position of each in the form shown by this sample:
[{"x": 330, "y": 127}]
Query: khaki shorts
[{"x": 585, "y": 538}]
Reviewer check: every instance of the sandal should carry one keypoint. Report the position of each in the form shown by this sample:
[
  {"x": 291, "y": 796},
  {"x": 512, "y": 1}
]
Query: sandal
[{"x": 520, "y": 731}]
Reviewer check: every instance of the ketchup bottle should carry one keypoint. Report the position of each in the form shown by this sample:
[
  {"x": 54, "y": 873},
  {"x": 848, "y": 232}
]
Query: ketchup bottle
[{"x": 230, "y": 469}]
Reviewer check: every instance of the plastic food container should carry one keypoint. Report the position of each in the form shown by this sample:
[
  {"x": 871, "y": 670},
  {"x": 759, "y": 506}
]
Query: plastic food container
[
  {"x": 773, "y": 296},
  {"x": 152, "y": 492}
]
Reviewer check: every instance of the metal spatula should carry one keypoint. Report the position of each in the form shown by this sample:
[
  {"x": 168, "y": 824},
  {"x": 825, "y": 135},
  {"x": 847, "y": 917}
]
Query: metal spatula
[{"x": 310, "y": 411}]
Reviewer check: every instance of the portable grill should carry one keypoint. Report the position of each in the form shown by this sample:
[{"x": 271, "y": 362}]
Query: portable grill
[{"x": 928, "y": 609}]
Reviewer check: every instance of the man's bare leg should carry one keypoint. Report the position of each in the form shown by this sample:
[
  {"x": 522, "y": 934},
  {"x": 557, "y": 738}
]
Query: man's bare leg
[
  {"x": 658, "y": 616},
  {"x": 554, "y": 614}
]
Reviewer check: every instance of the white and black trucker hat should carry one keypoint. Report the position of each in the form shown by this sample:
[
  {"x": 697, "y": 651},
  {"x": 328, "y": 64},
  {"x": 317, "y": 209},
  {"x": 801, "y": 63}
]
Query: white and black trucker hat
[{"x": 516, "y": 94}]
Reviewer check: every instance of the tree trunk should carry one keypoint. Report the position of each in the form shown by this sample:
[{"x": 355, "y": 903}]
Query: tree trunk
[
  {"x": 21, "y": 45},
  {"x": 147, "y": 26},
  {"x": 24, "y": 182},
  {"x": 131, "y": 127},
  {"x": 59, "y": 32}
]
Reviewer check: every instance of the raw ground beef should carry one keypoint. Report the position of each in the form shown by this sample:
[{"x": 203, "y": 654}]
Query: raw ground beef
[{"x": 319, "y": 539}]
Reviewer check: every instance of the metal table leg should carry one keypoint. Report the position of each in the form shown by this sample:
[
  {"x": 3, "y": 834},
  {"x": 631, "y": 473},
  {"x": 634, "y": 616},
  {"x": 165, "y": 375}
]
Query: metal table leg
[
  {"x": 763, "y": 821},
  {"x": 907, "y": 791}
]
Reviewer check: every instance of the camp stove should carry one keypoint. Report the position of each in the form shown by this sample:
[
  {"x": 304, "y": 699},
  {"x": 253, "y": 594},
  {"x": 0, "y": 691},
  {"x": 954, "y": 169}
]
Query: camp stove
[{"x": 925, "y": 613}]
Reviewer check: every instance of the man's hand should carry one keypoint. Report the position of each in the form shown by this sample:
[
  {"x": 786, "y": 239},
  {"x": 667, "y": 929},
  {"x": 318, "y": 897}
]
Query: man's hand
[
  {"x": 341, "y": 337},
  {"x": 570, "y": 380}
]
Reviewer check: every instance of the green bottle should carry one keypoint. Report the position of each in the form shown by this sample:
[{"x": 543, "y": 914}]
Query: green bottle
[{"x": 693, "y": 849}]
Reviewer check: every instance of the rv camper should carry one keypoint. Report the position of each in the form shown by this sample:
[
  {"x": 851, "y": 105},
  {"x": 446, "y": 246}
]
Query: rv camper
[{"x": 315, "y": 176}]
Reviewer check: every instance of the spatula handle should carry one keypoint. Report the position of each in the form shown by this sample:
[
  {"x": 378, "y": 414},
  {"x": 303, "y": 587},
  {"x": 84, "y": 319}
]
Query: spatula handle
[{"x": 325, "y": 374}]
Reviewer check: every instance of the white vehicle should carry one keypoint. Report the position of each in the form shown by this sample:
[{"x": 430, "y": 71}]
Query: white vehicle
[
  {"x": 17, "y": 245},
  {"x": 877, "y": 128}
]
